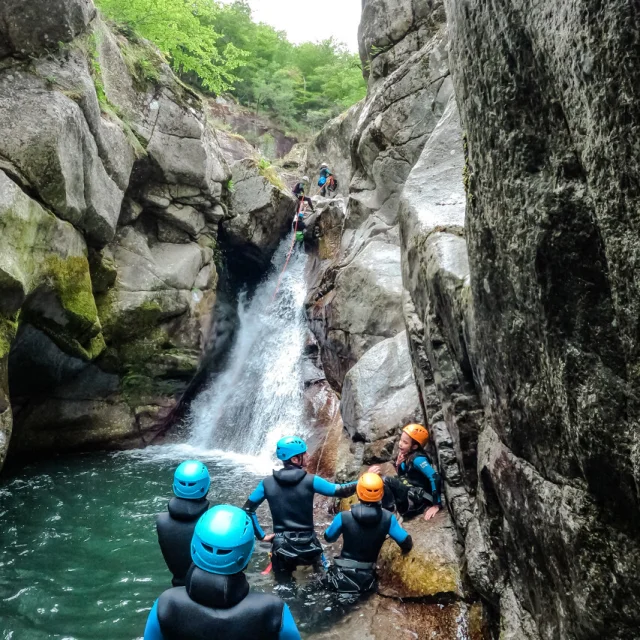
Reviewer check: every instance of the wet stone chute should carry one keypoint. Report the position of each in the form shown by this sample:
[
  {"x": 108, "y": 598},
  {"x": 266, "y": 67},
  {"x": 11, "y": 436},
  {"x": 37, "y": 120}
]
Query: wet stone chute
[{"x": 258, "y": 397}]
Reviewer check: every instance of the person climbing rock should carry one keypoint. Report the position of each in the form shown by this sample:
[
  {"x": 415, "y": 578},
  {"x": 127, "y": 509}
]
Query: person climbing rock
[
  {"x": 300, "y": 226},
  {"x": 299, "y": 191},
  {"x": 175, "y": 527},
  {"x": 290, "y": 492},
  {"x": 364, "y": 529},
  {"x": 327, "y": 180},
  {"x": 216, "y": 601},
  {"x": 417, "y": 485}
]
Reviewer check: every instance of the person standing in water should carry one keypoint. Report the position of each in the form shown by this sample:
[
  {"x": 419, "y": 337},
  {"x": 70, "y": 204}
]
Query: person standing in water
[
  {"x": 216, "y": 601},
  {"x": 363, "y": 529},
  {"x": 175, "y": 526},
  {"x": 290, "y": 492}
]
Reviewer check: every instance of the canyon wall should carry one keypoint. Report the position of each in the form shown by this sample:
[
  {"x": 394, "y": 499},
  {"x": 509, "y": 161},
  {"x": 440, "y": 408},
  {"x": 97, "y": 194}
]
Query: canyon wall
[
  {"x": 502, "y": 239},
  {"x": 113, "y": 191}
]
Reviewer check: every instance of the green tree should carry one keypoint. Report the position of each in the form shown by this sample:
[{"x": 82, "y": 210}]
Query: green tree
[{"x": 182, "y": 30}]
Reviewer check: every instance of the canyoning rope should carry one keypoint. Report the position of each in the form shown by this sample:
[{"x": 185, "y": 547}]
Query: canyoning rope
[{"x": 293, "y": 244}]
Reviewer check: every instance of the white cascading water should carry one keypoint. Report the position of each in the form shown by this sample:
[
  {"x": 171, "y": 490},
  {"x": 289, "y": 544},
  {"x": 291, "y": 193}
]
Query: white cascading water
[{"x": 258, "y": 397}]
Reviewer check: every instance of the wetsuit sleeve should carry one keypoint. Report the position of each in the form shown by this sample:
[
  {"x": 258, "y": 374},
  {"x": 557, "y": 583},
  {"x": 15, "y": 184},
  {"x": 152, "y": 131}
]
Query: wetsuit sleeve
[
  {"x": 250, "y": 506},
  {"x": 335, "y": 529},
  {"x": 152, "y": 631},
  {"x": 326, "y": 488},
  {"x": 288, "y": 630},
  {"x": 422, "y": 464},
  {"x": 397, "y": 533}
]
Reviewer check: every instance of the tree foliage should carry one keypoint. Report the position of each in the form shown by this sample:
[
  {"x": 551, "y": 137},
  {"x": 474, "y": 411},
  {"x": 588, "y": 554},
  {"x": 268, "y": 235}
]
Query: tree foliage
[
  {"x": 220, "y": 47},
  {"x": 182, "y": 30}
]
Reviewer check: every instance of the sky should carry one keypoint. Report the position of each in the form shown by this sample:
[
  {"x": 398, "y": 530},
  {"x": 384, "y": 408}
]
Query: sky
[{"x": 306, "y": 20}]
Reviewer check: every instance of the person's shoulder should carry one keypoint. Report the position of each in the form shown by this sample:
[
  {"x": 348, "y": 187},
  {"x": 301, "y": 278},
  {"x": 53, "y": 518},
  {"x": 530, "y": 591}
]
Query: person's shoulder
[{"x": 266, "y": 600}]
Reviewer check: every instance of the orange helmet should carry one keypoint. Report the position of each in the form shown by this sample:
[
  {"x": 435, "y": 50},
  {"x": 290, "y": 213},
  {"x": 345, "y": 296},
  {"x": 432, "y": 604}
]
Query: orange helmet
[
  {"x": 370, "y": 488},
  {"x": 418, "y": 433}
]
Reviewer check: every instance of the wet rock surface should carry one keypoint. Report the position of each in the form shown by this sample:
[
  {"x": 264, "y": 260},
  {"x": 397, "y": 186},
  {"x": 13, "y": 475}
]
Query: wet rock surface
[
  {"x": 333, "y": 146},
  {"x": 108, "y": 235},
  {"x": 379, "y": 394},
  {"x": 262, "y": 212},
  {"x": 432, "y": 569},
  {"x": 381, "y": 618}
]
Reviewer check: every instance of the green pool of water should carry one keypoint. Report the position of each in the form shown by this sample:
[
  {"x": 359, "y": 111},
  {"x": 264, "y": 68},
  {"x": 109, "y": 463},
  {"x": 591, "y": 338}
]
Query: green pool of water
[{"x": 79, "y": 558}]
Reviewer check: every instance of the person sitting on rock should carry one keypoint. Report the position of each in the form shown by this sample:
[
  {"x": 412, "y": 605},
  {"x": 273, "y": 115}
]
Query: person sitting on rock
[
  {"x": 290, "y": 493},
  {"x": 327, "y": 180},
  {"x": 417, "y": 485},
  {"x": 299, "y": 191},
  {"x": 216, "y": 602},
  {"x": 175, "y": 526},
  {"x": 363, "y": 529}
]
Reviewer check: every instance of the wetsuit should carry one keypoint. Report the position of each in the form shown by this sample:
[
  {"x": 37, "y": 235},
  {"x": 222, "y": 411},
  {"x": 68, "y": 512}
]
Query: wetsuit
[
  {"x": 216, "y": 606},
  {"x": 299, "y": 192},
  {"x": 175, "y": 529},
  {"x": 364, "y": 530},
  {"x": 290, "y": 492},
  {"x": 416, "y": 487}
]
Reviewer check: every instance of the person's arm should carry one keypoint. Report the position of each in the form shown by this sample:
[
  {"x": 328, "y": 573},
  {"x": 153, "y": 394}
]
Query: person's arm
[
  {"x": 152, "y": 631},
  {"x": 335, "y": 529},
  {"x": 288, "y": 630},
  {"x": 326, "y": 488},
  {"x": 422, "y": 464},
  {"x": 400, "y": 536},
  {"x": 250, "y": 506}
]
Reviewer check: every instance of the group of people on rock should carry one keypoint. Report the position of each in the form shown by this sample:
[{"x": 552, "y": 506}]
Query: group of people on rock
[
  {"x": 207, "y": 549},
  {"x": 327, "y": 184}
]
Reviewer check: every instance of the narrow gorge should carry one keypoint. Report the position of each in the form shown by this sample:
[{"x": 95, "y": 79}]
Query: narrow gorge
[{"x": 476, "y": 271}]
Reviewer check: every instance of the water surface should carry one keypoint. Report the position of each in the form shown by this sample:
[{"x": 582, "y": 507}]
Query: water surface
[{"x": 79, "y": 558}]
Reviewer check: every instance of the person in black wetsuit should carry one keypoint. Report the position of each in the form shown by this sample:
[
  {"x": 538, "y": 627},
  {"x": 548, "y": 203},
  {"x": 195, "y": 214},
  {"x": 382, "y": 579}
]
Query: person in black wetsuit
[
  {"x": 364, "y": 529},
  {"x": 176, "y": 525},
  {"x": 216, "y": 601},
  {"x": 417, "y": 485},
  {"x": 299, "y": 191},
  {"x": 290, "y": 492}
]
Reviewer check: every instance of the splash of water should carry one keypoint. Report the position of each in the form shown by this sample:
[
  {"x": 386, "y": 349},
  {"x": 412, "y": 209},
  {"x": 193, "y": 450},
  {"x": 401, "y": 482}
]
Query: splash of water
[{"x": 258, "y": 398}]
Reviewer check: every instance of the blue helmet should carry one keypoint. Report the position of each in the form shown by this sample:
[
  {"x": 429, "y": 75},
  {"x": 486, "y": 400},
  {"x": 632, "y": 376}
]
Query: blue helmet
[
  {"x": 191, "y": 480},
  {"x": 289, "y": 447},
  {"x": 223, "y": 540}
]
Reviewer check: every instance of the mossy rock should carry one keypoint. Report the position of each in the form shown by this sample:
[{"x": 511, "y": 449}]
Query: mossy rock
[
  {"x": 44, "y": 271},
  {"x": 431, "y": 569}
]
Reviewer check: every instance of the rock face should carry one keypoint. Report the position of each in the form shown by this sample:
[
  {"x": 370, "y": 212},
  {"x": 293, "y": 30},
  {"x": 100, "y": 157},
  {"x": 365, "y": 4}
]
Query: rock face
[
  {"x": 333, "y": 146},
  {"x": 358, "y": 301},
  {"x": 262, "y": 212},
  {"x": 432, "y": 569},
  {"x": 404, "y": 46},
  {"x": 379, "y": 397},
  {"x": 28, "y": 30},
  {"x": 522, "y": 320},
  {"x": 343, "y": 320},
  {"x": 111, "y": 192},
  {"x": 381, "y": 618}
]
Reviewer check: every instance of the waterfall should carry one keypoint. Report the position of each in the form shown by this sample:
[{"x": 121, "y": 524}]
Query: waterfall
[{"x": 258, "y": 397}]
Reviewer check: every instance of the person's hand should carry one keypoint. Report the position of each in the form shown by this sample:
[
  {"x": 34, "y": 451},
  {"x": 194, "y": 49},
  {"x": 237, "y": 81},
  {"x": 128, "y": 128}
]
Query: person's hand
[
  {"x": 374, "y": 469},
  {"x": 400, "y": 459},
  {"x": 431, "y": 512},
  {"x": 269, "y": 538}
]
